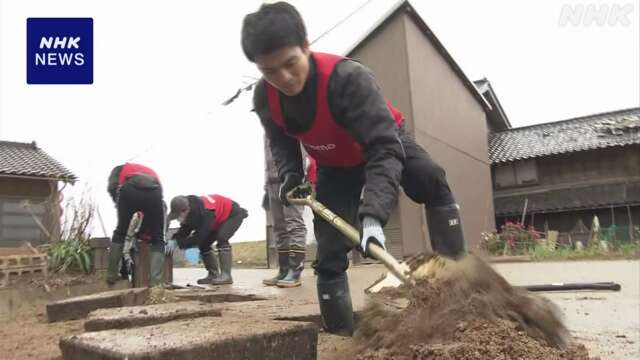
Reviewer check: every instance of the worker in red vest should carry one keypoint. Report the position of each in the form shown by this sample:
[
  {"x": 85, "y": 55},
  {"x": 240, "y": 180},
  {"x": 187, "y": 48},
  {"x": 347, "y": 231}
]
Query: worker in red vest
[
  {"x": 203, "y": 221},
  {"x": 335, "y": 109},
  {"x": 133, "y": 188}
]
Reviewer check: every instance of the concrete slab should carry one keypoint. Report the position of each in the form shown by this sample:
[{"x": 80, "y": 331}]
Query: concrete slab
[
  {"x": 79, "y": 307},
  {"x": 204, "y": 338},
  {"x": 250, "y": 281},
  {"x": 284, "y": 309},
  {"x": 135, "y": 316},
  {"x": 217, "y": 296}
]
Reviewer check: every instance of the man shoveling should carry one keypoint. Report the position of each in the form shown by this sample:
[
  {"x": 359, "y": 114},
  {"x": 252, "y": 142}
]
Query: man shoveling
[{"x": 334, "y": 107}]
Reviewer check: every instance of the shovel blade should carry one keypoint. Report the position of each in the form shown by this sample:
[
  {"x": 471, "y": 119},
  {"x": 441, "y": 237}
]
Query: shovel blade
[
  {"x": 388, "y": 279},
  {"x": 417, "y": 267}
]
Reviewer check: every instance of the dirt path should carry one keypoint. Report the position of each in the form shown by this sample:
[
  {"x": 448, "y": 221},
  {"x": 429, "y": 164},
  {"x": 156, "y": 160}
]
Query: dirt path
[
  {"x": 25, "y": 332},
  {"x": 608, "y": 323},
  {"x": 29, "y": 336}
]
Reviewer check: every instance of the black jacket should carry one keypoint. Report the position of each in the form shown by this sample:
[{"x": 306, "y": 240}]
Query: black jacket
[
  {"x": 199, "y": 221},
  {"x": 357, "y": 103}
]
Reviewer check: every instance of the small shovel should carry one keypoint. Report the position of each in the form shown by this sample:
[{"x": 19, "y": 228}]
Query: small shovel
[{"x": 305, "y": 195}]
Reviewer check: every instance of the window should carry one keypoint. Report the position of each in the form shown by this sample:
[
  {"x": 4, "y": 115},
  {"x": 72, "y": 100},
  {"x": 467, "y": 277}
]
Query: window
[
  {"x": 523, "y": 172},
  {"x": 17, "y": 224},
  {"x": 505, "y": 176},
  {"x": 526, "y": 172}
]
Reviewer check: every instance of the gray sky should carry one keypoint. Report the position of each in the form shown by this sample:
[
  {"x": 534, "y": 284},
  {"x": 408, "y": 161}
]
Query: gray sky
[{"x": 162, "y": 68}]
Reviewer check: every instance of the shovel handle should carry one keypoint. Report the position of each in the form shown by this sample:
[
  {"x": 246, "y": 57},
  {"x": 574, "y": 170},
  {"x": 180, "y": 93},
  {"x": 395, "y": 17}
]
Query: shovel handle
[{"x": 305, "y": 195}]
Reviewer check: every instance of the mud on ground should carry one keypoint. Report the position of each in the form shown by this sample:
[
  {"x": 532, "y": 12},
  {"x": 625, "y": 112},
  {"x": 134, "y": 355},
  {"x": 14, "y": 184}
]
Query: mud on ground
[
  {"x": 463, "y": 310},
  {"x": 25, "y": 332},
  {"x": 29, "y": 336}
]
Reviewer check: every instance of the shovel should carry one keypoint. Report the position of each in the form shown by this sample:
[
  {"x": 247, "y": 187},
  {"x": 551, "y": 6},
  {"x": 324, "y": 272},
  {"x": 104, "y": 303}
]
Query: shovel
[
  {"x": 129, "y": 243},
  {"x": 305, "y": 195}
]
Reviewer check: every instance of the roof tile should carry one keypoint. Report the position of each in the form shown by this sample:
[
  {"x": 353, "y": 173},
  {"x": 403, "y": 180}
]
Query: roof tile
[
  {"x": 26, "y": 159},
  {"x": 618, "y": 128}
]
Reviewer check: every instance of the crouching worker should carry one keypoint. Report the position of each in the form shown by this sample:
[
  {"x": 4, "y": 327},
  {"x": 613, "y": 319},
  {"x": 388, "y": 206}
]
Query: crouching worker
[
  {"x": 134, "y": 188},
  {"x": 203, "y": 221}
]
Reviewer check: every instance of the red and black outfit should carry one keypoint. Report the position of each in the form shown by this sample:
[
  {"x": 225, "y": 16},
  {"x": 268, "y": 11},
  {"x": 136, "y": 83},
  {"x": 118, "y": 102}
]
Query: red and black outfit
[
  {"x": 133, "y": 188},
  {"x": 362, "y": 149},
  {"x": 211, "y": 218}
]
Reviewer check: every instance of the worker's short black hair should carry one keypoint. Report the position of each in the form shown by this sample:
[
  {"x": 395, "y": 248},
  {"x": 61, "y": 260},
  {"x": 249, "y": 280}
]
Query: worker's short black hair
[{"x": 272, "y": 27}]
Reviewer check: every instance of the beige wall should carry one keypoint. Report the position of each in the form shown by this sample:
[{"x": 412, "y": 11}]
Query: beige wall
[
  {"x": 451, "y": 124},
  {"x": 447, "y": 119},
  {"x": 386, "y": 55}
]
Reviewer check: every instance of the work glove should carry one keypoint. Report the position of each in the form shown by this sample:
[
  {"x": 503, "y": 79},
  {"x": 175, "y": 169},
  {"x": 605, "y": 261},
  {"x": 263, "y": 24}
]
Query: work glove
[
  {"x": 291, "y": 180},
  {"x": 170, "y": 247},
  {"x": 265, "y": 201},
  {"x": 371, "y": 232}
]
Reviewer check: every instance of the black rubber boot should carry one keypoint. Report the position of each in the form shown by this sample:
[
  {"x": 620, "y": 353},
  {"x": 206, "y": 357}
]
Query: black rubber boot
[
  {"x": 113, "y": 264},
  {"x": 445, "y": 231},
  {"x": 210, "y": 260},
  {"x": 296, "y": 265},
  {"x": 283, "y": 263},
  {"x": 226, "y": 260},
  {"x": 335, "y": 304},
  {"x": 156, "y": 264}
]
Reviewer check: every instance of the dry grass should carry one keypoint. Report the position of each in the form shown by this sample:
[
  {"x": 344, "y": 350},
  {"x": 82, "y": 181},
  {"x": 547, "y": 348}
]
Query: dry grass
[{"x": 249, "y": 254}]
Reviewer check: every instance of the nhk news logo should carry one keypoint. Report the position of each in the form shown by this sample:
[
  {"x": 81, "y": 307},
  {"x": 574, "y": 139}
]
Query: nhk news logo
[{"x": 59, "y": 51}]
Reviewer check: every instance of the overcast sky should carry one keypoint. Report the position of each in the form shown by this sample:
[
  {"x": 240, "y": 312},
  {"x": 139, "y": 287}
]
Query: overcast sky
[{"x": 162, "y": 69}]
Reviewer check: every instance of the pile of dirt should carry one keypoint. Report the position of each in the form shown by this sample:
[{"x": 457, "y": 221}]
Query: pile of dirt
[
  {"x": 59, "y": 280},
  {"x": 463, "y": 310},
  {"x": 53, "y": 281},
  {"x": 159, "y": 295}
]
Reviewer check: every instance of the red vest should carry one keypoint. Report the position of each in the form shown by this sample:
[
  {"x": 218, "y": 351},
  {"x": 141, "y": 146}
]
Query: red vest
[
  {"x": 221, "y": 205},
  {"x": 326, "y": 141},
  {"x": 130, "y": 169}
]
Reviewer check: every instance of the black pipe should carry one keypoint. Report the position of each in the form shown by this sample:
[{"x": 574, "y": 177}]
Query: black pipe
[{"x": 610, "y": 286}]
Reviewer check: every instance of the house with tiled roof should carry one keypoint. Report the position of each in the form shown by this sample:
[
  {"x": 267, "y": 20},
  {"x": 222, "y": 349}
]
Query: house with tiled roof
[
  {"x": 560, "y": 174},
  {"x": 29, "y": 194}
]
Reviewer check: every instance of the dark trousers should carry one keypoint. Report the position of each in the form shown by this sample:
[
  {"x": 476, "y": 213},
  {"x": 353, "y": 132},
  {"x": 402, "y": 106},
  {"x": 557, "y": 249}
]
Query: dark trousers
[
  {"x": 149, "y": 201},
  {"x": 339, "y": 189},
  {"x": 288, "y": 223},
  {"x": 227, "y": 229}
]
